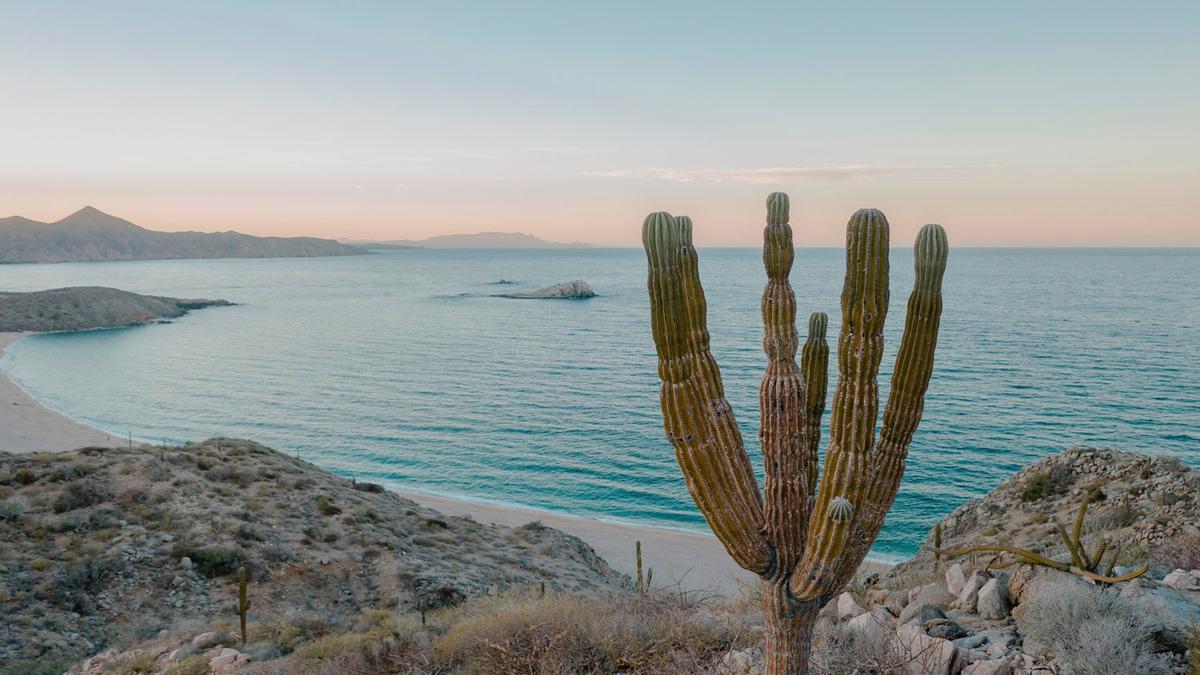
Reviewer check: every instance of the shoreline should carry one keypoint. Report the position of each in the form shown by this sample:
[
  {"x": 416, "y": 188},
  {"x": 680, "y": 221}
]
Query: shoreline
[{"x": 694, "y": 561}]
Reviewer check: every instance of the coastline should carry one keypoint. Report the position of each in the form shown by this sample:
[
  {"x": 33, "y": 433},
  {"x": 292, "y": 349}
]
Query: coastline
[{"x": 691, "y": 560}]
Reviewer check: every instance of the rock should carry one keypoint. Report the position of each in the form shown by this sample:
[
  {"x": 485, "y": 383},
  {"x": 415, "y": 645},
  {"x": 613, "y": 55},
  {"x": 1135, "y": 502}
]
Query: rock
[
  {"x": 1170, "y": 612},
  {"x": 848, "y": 607},
  {"x": 994, "y": 601},
  {"x": 931, "y": 594},
  {"x": 944, "y": 629},
  {"x": 185, "y": 563},
  {"x": 955, "y": 579},
  {"x": 896, "y": 602},
  {"x": 925, "y": 655},
  {"x": 969, "y": 597},
  {"x": 921, "y": 613},
  {"x": 1183, "y": 580},
  {"x": 990, "y": 667},
  {"x": 210, "y": 639},
  {"x": 227, "y": 661},
  {"x": 576, "y": 289},
  {"x": 871, "y": 625},
  {"x": 739, "y": 662}
]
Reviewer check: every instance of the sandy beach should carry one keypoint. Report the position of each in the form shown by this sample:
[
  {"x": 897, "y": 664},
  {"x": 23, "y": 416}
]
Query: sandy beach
[
  {"x": 692, "y": 560},
  {"x": 27, "y": 426}
]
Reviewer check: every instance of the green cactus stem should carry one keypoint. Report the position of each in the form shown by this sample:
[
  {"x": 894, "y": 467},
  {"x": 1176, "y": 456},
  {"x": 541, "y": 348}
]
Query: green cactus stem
[
  {"x": 803, "y": 538},
  {"x": 243, "y": 601},
  {"x": 1081, "y": 563}
]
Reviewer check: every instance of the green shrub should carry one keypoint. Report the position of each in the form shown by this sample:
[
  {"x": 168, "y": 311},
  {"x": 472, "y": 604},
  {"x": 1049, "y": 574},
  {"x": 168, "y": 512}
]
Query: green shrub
[
  {"x": 40, "y": 565},
  {"x": 211, "y": 561},
  {"x": 326, "y": 506},
  {"x": 1038, "y": 486}
]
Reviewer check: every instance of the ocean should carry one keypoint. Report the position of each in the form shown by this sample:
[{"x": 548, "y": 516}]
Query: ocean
[{"x": 401, "y": 368}]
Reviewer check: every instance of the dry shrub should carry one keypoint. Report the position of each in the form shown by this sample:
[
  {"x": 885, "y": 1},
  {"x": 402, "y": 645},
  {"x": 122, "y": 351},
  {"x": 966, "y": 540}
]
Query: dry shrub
[
  {"x": 1091, "y": 630},
  {"x": 520, "y": 632},
  {"x": 1182, "y": 552},
  {"x": 381, "y": 642}
]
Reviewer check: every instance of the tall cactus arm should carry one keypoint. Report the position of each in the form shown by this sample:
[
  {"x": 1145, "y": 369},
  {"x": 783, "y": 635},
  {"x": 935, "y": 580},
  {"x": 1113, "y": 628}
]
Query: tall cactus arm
[
  {"x": 910, "y": 380},
  {"x": 782, "y": 398},
  {"x": 815, "y": 365},
  {"x": 698, "y": 420},
  {"x": 855, "y": 408}
]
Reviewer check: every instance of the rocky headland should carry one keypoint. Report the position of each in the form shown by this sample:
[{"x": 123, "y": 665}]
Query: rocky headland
[{"x": 88, "y": 307}]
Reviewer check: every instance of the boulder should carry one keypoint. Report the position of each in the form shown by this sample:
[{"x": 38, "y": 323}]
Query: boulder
[
  {"x": 925, "y": 655},
  {"x": 227, "y": 662},
  {"x": 956, "y": 578},
  {"x": 740, "y": 662},
  {"x": 990, "y": 667},
  {"x": 931, "y": 594},
  {"x": 872, "y": 625},
  {"x": 921, "y": 613},
  {"x": 1170, "y": 612},
  {"x": 944, "y": 629},
  {"x": 210, "y": 639},
  {"x": 848, "y": 607},
  {"x": 994, "y": 601},
  {"x": 1183, "y": 580},
  {"x": 969, "y": 596}
]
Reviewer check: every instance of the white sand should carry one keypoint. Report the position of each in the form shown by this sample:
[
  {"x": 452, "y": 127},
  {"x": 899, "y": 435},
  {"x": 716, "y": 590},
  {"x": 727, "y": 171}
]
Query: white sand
[
  {"x": 27, "y": 426},
  {"x": 696, "y": 562}
]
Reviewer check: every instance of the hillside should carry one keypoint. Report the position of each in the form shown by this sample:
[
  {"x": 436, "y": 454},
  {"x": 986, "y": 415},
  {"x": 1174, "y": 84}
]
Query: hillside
[
  {"x": 113, "y": 545},
  {"x": 516, "y": 240},
  {"x": 82, "y": 308},
  {"x": 92, "y": 235}
]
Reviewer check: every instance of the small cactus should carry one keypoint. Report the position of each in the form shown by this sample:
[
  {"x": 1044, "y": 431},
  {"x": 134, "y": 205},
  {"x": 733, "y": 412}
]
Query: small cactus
[
  {"x": 243, "y": 601},
  {"x": 643, "y": 582}
]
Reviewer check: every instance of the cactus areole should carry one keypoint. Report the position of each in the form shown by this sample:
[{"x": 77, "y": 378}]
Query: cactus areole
[{"x": 805, "y": 538}]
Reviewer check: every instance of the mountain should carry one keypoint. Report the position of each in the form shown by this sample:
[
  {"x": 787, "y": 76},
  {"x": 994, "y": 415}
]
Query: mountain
[
  {"x": 86, "y": 307},
  {"x": 90, "y": 235},
  {"x": 479, "y": 240}
]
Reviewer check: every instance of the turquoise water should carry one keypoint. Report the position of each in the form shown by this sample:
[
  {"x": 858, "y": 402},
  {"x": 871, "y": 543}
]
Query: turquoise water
[{"x": 399, "y": 368}]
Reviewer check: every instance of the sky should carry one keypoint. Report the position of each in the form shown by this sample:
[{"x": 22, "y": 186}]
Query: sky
[{"x": 1015, "y": 123}]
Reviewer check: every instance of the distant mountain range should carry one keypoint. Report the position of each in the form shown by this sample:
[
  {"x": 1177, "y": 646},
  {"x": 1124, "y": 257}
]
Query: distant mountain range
[
  {"x": 479, "y": 240},
  {"x": 92, "y": 235}
]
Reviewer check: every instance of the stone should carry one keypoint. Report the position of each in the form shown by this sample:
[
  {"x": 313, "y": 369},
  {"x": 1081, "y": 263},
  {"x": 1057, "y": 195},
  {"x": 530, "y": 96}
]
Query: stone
[
  {"x": 956, "y": 578},
  {"x": 925, "y": 655},
  {"x": 871, "y": 625},
  {"x": 1183, "y": 580},
  {"x": 994, "y": 601},
  {"x": 921, "y": 613},
  {"x": 969, "y": 597},
  {"x": 1170, "y": 612},
  {"x": 185, "y": 563},
  {"x": 739, "y": 662},
  {"x": 848, "y": 607},
  {"x": 209, "y": 640},
  {"x": 990, "y": 667},
  {"x": 227, "y": 662},
  {"x": 944, "y": 629},
  {"x": 931, "y": 594}
]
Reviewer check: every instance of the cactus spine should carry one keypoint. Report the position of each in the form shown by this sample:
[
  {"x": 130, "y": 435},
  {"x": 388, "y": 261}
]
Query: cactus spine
[{"x": 803, "y": 539}]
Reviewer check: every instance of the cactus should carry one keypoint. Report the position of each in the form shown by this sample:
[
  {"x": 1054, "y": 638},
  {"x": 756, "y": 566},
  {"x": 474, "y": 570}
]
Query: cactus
[
  {"x": 643, "y": 582},
  {"x": 243, "y": 601},
  {"x": 1082, "y": 564},
  {"x": 804, "y": 539}
]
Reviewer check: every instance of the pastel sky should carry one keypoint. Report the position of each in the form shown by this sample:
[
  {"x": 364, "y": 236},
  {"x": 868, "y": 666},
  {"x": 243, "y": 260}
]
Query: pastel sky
[{"x": 1012, "y": 123}]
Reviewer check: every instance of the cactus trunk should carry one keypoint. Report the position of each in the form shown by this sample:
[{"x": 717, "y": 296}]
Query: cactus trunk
[{"x": 804, "y": 539}]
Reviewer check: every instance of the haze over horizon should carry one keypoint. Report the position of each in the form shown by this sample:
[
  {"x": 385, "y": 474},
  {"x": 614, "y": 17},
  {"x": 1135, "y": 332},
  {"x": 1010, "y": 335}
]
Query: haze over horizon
[{"x": 1023, "y": 124}]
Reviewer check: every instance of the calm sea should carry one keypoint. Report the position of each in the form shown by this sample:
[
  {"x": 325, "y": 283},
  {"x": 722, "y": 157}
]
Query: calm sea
[{"x": 400, "y": 368}]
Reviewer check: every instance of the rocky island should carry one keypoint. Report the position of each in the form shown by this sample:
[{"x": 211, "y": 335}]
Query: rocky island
[
  {"x": 88, "y": 307},
  {"x": 577, "y": 289}
]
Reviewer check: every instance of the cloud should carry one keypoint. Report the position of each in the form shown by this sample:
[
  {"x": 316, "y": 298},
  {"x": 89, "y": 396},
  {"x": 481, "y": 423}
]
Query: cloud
[{"x": 774, "y": 174}]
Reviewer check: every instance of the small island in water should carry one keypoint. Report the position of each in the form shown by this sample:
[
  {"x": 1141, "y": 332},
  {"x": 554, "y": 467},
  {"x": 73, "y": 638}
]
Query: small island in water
[{"x": 88, "y": 307}]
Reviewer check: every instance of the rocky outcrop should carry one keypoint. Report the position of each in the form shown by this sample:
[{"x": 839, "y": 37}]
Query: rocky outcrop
[
  {"x": 87, "y": 307},
  {"x": 99, "y": 546},
  {"x": 576, "y": 289},
  {"x": 92, "y": 235}
]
